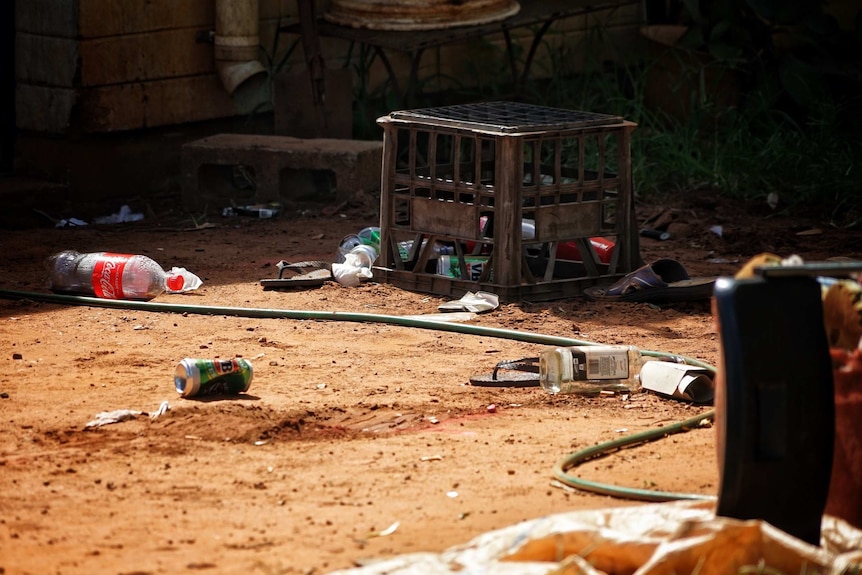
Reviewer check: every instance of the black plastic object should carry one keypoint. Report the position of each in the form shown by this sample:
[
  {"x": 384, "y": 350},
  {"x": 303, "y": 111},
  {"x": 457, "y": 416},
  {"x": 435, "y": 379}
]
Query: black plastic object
[{"x": 775, "y": 415}]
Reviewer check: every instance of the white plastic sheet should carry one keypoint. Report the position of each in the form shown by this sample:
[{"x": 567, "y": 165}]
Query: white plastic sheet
[{"x": 656, "y": 539}]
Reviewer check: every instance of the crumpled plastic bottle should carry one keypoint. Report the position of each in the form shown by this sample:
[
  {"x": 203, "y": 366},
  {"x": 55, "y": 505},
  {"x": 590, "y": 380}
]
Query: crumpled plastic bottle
[{"x": 116, "y": 276}]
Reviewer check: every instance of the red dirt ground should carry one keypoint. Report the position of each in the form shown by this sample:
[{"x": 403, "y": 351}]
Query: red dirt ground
[{"x": 347, "y": 427}]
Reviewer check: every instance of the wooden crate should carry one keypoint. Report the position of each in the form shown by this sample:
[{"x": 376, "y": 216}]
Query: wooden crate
[{"x": 469, "y": 177}]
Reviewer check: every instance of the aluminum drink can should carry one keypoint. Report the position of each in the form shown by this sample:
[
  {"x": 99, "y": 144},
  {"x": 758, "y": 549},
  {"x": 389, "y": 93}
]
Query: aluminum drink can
[{"x": 196, "y": 377}]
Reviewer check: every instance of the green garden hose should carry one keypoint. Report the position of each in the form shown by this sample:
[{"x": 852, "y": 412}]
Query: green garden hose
[
  {"x": 560, "y": 469},
  {"x": 408, "y": 321},
  {"x": 570, "y": 461}
]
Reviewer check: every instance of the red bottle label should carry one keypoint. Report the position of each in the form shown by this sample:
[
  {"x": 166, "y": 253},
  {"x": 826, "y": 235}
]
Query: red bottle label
[{"x": 108, "y": 275}]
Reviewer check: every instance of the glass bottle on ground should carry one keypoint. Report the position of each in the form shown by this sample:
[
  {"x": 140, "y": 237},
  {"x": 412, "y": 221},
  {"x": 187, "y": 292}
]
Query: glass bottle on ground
[{"x": 590, "y": 369}]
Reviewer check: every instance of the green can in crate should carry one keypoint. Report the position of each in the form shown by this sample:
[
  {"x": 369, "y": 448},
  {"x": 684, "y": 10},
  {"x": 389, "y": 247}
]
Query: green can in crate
[{"x": 196, "y": 377}]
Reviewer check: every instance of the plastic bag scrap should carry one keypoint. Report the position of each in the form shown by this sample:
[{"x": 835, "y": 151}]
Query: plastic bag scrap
[{"x": 653, "y": 539}]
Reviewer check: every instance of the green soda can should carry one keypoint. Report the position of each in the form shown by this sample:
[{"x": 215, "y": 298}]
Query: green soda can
[{"x": 196, "y": 377}]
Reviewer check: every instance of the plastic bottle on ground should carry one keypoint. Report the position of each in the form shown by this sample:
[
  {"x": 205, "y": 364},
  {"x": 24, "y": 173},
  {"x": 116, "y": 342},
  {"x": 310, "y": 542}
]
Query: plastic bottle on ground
[
  {"x": 370, "y": 236},
  {"x": 590, "y": 369},
  {"x": 356, "y": 266},
  {"x": 347, "y": 243},
  {"x": 361, "y": 256},
  {"x": 115, "y": 276}
]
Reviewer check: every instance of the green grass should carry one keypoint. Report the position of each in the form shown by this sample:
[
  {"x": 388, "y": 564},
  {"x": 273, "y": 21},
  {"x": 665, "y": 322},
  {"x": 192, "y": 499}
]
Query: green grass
[
  {"x": 746, "y": 152},
  {"x": 760, "y": 148}
]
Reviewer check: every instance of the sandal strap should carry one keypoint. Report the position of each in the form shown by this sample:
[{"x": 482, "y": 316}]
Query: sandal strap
[
  {"x": 304, "y": 265},
  {"x": 651, "y": 276},
  {"x": 526, "y": 364}
]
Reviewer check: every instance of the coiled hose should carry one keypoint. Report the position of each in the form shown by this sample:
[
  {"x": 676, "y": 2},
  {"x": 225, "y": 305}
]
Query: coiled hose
[{"x": 560, "y": 469}]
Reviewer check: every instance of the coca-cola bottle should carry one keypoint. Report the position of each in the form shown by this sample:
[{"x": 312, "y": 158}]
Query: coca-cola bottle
[{"x": 115, "y": 276}]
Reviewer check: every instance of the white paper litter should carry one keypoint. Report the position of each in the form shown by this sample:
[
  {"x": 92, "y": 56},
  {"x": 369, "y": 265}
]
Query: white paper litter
[
  {"x": 472, "y": 302},
  {"x": 116, "y": 416},
  {"x": 119, "y": 415},
  {"x": 124, "y": 215},
  {"x": 163, "y": 409},
  {"x": 445, "y": 317},
  {"x": 70, "y": 223},
  {"x": 350, "y": 276}
]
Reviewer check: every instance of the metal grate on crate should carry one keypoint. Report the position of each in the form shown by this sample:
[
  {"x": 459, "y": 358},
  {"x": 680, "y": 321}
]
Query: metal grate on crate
[{"x": 506, "y": 117}]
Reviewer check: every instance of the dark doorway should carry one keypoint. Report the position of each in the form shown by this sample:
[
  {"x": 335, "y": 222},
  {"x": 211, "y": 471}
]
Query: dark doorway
[{"x": 7, "y": 87}]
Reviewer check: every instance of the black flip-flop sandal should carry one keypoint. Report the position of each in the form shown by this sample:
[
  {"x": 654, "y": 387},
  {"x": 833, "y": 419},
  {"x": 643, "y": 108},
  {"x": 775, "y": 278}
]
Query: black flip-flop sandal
[
  {"x": 522, "y": 372},
  {"x": 317, "y": 273},
  {"x": 663, "y": 281}
]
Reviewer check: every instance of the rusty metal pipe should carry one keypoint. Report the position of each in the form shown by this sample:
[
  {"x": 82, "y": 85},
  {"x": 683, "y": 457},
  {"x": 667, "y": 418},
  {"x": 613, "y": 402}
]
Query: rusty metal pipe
[{"x": 237, "y": 43}]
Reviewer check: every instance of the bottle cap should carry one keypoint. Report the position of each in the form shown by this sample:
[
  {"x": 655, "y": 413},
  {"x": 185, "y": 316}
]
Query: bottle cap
[
  {"x": 656, "y": 234},
  {"x": 175, "y": 283},
  {"x": 180, "y": 280}
]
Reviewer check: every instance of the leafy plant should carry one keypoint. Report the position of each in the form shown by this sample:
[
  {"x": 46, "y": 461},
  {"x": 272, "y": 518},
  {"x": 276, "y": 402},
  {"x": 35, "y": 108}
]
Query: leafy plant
[
  {"x": 771, "y": 145},
  {"x": 791, "y": 51}
]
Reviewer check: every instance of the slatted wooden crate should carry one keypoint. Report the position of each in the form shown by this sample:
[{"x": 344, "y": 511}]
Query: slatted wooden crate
[{"x": 511, "y": 187}]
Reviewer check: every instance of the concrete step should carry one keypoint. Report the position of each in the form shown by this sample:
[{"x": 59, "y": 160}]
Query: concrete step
[{"x": 248, "y": 168}]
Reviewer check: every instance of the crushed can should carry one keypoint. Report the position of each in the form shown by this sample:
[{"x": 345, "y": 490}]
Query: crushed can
[{"x": 197, "y": 377}]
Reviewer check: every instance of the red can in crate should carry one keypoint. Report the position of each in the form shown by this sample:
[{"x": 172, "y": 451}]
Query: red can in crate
[{"x": 603, "y": 247}]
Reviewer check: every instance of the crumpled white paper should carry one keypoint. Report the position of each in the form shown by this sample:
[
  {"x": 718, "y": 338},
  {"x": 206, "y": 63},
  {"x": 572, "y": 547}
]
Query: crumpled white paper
[
  {"x": 124, "y": 215},
  {"x": 70, "y": 223},
  {"x": 118, "y": 415},
  {"x": 473, "y": 302},
  {"x": 349, "y": 275},
  {"x": 444, "y": 317}
]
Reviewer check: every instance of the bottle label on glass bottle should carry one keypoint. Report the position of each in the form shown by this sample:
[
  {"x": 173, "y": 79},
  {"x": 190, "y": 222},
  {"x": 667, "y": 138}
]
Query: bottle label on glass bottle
[
  {"x": 108, "y": 275},
  {"x": 600, "y": 363}
]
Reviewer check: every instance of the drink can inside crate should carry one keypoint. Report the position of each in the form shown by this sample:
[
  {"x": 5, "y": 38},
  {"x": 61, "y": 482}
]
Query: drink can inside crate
[{"x": 522, "y": 185}]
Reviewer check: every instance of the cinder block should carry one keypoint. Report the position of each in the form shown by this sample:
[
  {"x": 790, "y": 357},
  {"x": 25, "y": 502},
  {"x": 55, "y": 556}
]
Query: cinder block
[{"x": 256, "y": 168}]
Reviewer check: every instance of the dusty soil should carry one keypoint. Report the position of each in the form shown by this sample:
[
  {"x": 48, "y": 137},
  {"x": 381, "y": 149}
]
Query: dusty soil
[{"x": 347, "y": 428}]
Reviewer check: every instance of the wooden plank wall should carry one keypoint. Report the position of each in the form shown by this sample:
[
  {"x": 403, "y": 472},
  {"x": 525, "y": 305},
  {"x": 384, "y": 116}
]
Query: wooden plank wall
[
  {"x": 95, "y": 66},
  {"x": 113, "y": 65}
]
